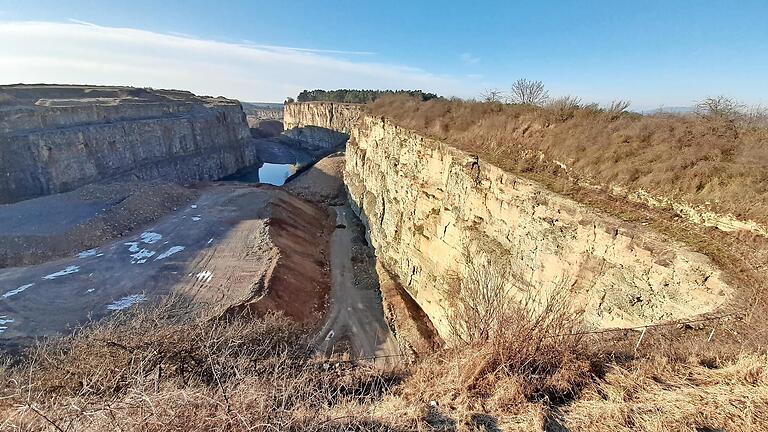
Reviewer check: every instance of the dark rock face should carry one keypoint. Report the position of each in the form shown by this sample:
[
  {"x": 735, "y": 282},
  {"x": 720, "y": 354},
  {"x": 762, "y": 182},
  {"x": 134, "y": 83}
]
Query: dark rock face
[{"x": 58, "y": 138}]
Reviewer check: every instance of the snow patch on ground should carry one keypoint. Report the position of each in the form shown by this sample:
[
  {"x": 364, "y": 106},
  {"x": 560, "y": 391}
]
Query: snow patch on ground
[
  {"x": 141, "y": 256},
  {"x": 89, "y": 253},
  {"x": 18, "y": 290},
  {"x": 169, "y": 252},
  {"x": 3, "y": 321},
  {"x": 150, "y": 237},
  {"x": 126, "y": 302},
  {"x": 66, "y": 271}
]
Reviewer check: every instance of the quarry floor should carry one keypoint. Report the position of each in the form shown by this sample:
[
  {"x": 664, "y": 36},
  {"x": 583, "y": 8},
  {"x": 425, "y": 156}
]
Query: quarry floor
[
  {"x": 231, "y": 245},
  {"x": 193, "y": 250}
]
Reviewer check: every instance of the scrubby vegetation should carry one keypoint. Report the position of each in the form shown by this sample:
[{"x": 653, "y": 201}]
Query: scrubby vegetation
[
  {"x": 359, "y": 96},
  {"x": 168, "y": 367},
  {"x": 716, "y": 157}
]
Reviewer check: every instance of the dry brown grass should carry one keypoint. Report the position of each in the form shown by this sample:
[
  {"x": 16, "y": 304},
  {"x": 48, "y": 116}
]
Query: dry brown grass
[
  {"x": 659, "y": 395},
  {"x": 169, "y": 368},
  {"x": 717, "y": 162}
]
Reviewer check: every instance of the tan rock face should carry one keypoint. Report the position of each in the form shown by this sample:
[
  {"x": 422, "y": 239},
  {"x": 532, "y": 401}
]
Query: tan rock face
[
  {"x": 323, "y": 125},
  {"x": 57, "y": 138},
  {"x": 425, "y": 204}
]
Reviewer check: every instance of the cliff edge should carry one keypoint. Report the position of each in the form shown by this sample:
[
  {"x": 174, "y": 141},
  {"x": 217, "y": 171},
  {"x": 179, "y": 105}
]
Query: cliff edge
[{"x": 56, "y": 138}]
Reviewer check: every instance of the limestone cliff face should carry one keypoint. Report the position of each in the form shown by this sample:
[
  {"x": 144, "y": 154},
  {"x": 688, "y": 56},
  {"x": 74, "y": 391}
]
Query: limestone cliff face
[
  {"x": 57, "y": 138},
  {"x": 426, "y": 204},
  {"x": 323, "y": 125},
  {"x": 336, "y": 116}
]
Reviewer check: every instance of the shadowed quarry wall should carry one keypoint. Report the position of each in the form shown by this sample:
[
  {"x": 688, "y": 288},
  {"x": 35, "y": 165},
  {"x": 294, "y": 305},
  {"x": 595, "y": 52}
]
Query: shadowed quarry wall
[
  {"x": 57, "y": 138},
  {"x": 425, "y": 204},
  {"x": 323, "y": 125}
]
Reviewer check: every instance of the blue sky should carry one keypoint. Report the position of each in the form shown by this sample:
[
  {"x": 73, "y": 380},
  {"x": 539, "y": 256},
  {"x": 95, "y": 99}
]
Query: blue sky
[{"x": 655, "y": 53}]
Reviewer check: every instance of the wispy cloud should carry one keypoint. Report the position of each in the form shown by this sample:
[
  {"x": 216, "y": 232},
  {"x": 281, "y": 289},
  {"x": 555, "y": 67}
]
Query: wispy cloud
[
  {"x": 85, "y": 23},
  {"x": 309, "y": 50},
  {"x": 468, "y": 58},
  {"x": 81, "y": 52}
]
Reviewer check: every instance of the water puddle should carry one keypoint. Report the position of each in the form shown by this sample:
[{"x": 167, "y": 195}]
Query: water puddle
[
  {"x": 276, "y": 174},
  {"x": 270, "y": 173}
]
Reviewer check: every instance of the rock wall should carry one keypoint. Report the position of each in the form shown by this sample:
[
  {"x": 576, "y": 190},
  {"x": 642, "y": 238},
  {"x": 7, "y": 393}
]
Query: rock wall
[
  {"x": 323, "y": 125},
  {"x": 426, "y": 204},
  {"x": 57, "y": 138}
]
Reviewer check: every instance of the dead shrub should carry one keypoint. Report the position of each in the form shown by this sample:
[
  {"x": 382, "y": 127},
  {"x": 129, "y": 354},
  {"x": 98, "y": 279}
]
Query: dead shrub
[
  {"x": 527, "y": 336},
  {"x": 563, "y": 108},
  {"x": 617, "y": 108},
  {"x": 719, "y": 108}
]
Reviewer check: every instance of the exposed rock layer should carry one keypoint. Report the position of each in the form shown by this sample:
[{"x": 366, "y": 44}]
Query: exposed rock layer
[
  {"x": 324, "y": 125},
  {"x": 425, "y": 204},
  {"x": 57, "y": 138}
]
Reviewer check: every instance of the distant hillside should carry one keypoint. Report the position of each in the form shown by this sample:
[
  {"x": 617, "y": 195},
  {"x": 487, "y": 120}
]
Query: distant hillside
[
  {"x": 670, "y": 110},
  {"x": 263, "y": 110}
]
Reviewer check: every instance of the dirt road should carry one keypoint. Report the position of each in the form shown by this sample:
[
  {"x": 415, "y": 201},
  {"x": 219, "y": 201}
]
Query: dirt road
[{"x": 356, "y": 315}]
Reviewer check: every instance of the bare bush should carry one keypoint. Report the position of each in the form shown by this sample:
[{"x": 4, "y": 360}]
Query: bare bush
[
  {"x": 617, "y": 107},
  {"x": 527, "y": 92},
  {"x": 480, "y": 298},
  {"x": 719, "y": 108},
  {"x": 492, "y": 95},
  {"x": 563, "y": 108},
  {"x": 514, "y": 333},
  {"x": 756, "y": 116}
]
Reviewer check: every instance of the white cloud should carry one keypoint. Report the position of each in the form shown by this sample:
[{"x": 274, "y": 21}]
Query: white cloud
[
  {"x": 468, "y": 58},
  {"x": 85, "y": 53}
]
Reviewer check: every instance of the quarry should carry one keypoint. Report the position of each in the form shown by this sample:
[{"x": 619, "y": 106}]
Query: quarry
[{"x": 363, "y": 232}]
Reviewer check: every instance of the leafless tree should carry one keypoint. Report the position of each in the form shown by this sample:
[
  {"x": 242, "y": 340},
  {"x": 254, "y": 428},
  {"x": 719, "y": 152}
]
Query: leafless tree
[
  {"x": 719, "y": 108},
  {"x": 528, "y": 92},
  {"x": 492, "y": 95}
]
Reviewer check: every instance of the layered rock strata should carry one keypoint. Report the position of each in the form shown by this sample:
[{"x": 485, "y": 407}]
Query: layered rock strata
[
  {"x": 58, "y": 138},
  {"x": 431, "y": 210}
]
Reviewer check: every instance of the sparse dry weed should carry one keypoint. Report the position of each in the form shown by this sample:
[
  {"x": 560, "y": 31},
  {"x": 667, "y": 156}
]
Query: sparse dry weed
[{"x": 171, "y": 368}]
